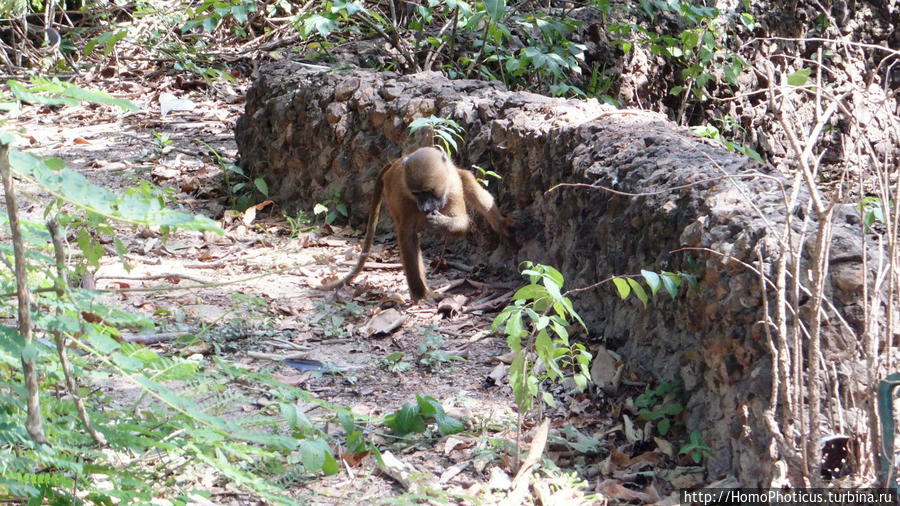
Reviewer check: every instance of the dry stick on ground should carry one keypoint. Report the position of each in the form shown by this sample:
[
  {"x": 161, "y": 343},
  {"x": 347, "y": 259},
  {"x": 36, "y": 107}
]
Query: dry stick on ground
[
  {"x": 33, "y": 423},
  {"x": 521, "y": 481},
  {"x": 59, "y": 337},
  {"x": 165, "y": 275}
]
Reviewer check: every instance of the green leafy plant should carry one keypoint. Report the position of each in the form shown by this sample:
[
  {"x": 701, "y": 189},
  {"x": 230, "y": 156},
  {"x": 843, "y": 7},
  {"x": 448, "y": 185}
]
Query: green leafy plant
[
  {"x": 414, "y": 418},
  {"x": 106, "y": 40},
  {"x": 332, "y": 208},
  {"x": 484, "y": 176},
  {"x": 873, "y": 211},
  {"x": 209, "y": 14},
  {"x": 394, "y": 363},
  {"x": 711, "y": 132},
  {"x": 53, "y": 92},
  {"x": 537, "y": 323},
  {"x": 696, "y": 448},
  {"x": 330, "y": 318},
  {"x": 162, "y": 142},
  {"x": 241, "y": 195},
  {"x": 661, "y": 405},
  {"x": 444, "y": 132},
  {"x": 179, "y": 412},
  {"x": 698, "y": 50},
  {"x": 299, "y": 223},
  {"x": 431, "y": 356},
  {"x": 668, "y": 280}
]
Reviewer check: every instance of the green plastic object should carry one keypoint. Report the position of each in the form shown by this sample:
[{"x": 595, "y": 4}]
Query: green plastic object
[{"x": 886, "y": 414}]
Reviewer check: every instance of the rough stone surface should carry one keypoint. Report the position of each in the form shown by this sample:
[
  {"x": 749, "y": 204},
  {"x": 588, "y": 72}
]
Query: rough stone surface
[{"x": 309, "y": 132}]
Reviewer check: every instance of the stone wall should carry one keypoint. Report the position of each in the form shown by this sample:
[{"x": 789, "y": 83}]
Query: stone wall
[{"x": 309, "y": 131}]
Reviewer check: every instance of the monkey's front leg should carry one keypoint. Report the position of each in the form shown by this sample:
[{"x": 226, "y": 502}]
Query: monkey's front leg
[{"x": 453, "y": 225}]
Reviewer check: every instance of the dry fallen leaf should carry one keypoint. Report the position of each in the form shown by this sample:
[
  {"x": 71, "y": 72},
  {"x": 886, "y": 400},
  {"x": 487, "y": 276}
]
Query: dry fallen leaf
[
  {"x": 383, "y": 323},
  {"x": 617, "y": 491},
  {"x": 603, "y": 369},
  {"x": 452, "y": 306},
  {"x": 80, "y": 140}
]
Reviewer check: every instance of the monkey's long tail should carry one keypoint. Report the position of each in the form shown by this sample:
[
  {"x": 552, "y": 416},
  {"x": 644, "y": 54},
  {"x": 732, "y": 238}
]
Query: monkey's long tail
[{"x": 374, "y": 212}]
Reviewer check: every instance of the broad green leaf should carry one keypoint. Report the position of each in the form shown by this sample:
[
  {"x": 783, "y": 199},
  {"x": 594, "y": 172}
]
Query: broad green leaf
[
  {"x": 129, "y": 364},
  {"x": 102, "y": 342},
  {"x": 638, "y": 291},
  {"x": 581, "y": 381},
  {"x": 548, "y": 399},
  {"x": 674, "y": 409},
  {"x": 529, "y": 292},
  {"x": 543, "y": 345},
  {"x": 210, "y": 23},
  {"x": 652, "y": 280},
  {"x": 92, "y": 249},
  {"x": 799, "y": 77},
  {"x": 320, "y": 24},
  {"x": 24, "y": 95},
  {"x": 670, "y": 284},
  {"x": 313, "y": 454},
  {"x": 663, "y": 426},
  {"x": 261, "y": 185},
  {"x": 11, "y": 341},
  {"x": 295, "y": 418},
  {"x": 99, "y": 97},
  {"x": 495, "y": 8},
  {"x": 428, "y": 406},
  {"x": 240, "y": 12},
  {"x": 623, "y": 287}
]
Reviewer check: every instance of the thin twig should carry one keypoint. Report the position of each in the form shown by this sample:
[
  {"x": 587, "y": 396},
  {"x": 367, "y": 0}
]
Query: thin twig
[
  {"x": 33, "y": 423},
  {"x": 61, "y": 284}
]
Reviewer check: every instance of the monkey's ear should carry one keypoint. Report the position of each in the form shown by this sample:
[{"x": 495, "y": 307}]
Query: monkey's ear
[
  {"x": 443, "y": 157},
  {"x": 405, "y": 160}
]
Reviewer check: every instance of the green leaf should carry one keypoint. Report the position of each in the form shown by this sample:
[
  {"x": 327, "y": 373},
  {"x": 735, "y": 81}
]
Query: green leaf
[
  {"x": 799, "y": 77},
  {"x": 691, "y": 279},
  {"x": 261, "y": 185},
  {"x": 674, "y": 409},
  {"x": 529, "y": 292},
  {"x": 24, "y": 95},
  {"x": 406, "y": 420},
  {"x": 11, "y": 341},
  {"x": 670, "y": 283},
  {"x": 690, "y": 39},
  {"x": 652, "y": 280},
  {"x": 663, "y": 426},
  {"x": 623, "y": 287},
  {"x": 581, "y": 381},
  {"x": 638, "y": 291},
  {"x": 99, "y": 97},
  {"x": 210, "y": 23},
  {"x": 495, "y": 8},
  {"x": 129, "y": 364},
  {"x": 548, "y": 399},
  {"x": 296, "y": 419},
  {"x": 313, "y": 454},
  {"x": 102, "y": 342},
  {"x": 320, "y": 24},
  {"x": 543, "y": 345},
  {"x": 93, "y": 250},
  {"x": 240, "y": 13}
]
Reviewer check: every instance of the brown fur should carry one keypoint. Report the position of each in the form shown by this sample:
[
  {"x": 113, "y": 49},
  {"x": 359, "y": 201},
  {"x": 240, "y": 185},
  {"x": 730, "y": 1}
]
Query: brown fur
[{"x": 424, "y": 190}]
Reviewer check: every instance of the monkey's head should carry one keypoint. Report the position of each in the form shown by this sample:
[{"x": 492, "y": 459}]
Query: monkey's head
[{"x": 425, "y": 172}]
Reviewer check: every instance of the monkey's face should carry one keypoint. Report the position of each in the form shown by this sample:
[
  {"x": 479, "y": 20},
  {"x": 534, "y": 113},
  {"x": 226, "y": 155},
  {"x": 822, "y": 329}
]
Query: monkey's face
[{"x": 425, "y": 172}]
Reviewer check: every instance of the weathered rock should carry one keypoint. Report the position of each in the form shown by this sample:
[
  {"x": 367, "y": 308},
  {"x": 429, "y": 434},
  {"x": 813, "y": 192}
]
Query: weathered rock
[{"x": 636, "y": 190}]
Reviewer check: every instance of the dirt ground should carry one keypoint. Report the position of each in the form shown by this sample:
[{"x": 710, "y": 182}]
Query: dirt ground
[{"x": 250, "y": 295}]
